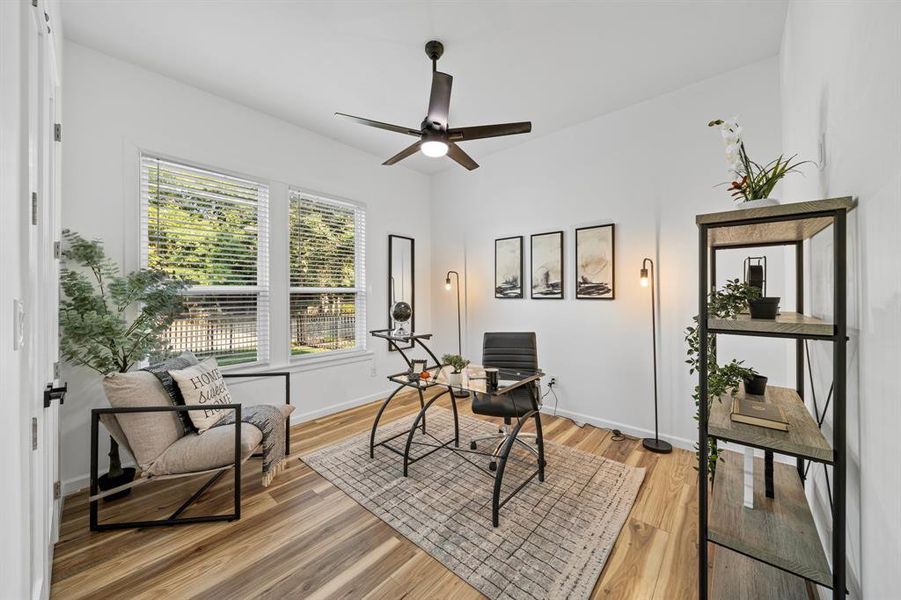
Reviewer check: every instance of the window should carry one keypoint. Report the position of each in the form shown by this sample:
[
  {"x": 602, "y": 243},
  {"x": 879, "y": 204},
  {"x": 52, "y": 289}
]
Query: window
[
  {"x": 212, "y": 229},
  {"x": 328, "y": 299}
]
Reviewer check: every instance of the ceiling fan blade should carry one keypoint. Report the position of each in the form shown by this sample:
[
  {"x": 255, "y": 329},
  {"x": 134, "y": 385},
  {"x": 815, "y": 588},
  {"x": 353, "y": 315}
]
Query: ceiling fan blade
[
  {"x": 487, "y": 131},
  {"x": 380, "y": 125},
  {"x": 456, "y": 153},
  {"x": 439, "y": 99},
  {"x": 409, "y": 150}
]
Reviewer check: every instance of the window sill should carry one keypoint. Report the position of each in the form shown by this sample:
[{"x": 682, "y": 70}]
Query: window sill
[{"x": 300, "y": 364}]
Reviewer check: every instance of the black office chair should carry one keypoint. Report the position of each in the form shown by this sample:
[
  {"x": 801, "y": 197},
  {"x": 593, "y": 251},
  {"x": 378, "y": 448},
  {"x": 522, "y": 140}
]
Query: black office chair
[{"x": 517, "y": 351}]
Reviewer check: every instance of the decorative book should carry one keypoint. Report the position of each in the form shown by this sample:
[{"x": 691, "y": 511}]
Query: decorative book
[{"x": 758, "y": 413}]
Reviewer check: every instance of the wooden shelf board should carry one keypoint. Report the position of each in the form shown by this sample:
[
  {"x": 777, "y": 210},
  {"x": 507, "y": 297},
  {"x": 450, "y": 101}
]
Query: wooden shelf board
[
  {"x": 786, "y": 323},
  {"x": 737, "y": 577},
  {"x": 779, "y": 531},
  {"x": 803, "y": 438},
  {"x": 805, "y": 222}
]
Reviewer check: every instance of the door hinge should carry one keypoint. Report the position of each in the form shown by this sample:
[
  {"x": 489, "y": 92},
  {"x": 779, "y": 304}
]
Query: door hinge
[
  {"x": 34, "y": 3},
  {"x": 34, "y": 208},
  {"x": 57, "y": 250},
  {"x": 34, "y": 433},
  {"x": 57, "y": 490},
  {"x": 55, "y": 393},
  {"x": 56, "y": 370},
  {"x": 58, "y": 132}
]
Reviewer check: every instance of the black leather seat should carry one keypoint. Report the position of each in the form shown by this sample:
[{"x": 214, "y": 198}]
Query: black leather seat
[{"x": 515, "y": 351}]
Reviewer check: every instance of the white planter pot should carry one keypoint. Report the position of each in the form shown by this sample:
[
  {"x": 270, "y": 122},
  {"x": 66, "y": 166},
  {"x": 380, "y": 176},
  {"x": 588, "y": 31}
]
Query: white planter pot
[
  {"x": 758, "y": 203},
  {"x": 455, "y": 379}
]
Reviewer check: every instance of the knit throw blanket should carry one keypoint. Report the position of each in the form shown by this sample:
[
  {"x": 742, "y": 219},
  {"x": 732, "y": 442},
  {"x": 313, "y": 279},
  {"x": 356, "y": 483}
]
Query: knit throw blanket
[{"x": 269, "y": 420}]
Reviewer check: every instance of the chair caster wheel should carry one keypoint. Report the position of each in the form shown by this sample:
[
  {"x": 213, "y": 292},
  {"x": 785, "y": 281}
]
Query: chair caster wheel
[
  {"x": 492, "y": 466},
  {"x": 472, "y": 445},
  {"x": 499, "y": 430}
]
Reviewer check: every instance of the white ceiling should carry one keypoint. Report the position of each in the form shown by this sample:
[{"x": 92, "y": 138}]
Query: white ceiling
[{"x": 554, "y": 63}]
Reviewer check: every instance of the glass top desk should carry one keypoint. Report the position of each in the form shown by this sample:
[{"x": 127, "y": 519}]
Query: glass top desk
[{"x": 473, "y": 381}]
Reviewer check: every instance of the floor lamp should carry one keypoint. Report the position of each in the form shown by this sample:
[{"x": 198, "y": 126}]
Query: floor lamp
[
  {"x": 654, "y": 444},
  {"x": 447, "y": 286}
]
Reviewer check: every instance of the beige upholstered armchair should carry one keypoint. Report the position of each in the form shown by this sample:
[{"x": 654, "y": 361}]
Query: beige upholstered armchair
[{"x": 149, "y": 426}]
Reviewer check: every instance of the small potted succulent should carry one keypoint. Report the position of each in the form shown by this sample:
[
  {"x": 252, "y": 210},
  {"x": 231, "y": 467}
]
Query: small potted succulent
[
  {"x": 457, "y": 364},
  {"x": 752, "y": 182}
]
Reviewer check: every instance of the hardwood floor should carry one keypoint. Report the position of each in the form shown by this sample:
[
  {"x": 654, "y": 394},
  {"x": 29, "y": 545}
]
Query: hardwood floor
[{"x": 304, "y": 538}]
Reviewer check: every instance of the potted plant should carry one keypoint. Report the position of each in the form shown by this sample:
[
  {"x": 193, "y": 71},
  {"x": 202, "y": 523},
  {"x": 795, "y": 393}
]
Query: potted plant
[
  {"x": 755, "y": 383},
  {"x": 109, "y": 322},
  {"x": 752, "y": 182},
  {"x": 725, "y": 303},
  {"x": 457, "y": 364}
]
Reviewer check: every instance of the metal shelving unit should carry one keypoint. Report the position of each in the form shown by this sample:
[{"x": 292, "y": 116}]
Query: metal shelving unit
[{"x": 773, "y": 550}]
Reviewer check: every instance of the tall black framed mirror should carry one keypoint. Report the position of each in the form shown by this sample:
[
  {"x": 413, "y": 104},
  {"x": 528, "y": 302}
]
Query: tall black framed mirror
[{"x": 401, "y": 278}]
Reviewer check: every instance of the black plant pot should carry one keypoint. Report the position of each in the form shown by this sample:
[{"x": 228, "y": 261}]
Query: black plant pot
[
  {"x": 764, "y": 308},
  {"x": 755, "y": 385},
  {"x": 107, "y": 483}
]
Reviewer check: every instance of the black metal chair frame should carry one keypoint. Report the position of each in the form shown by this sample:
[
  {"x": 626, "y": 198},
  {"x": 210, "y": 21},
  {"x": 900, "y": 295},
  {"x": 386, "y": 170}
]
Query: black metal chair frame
[
  {"x": 419, "y": 423},
  {"x": 174, "y": 518}
]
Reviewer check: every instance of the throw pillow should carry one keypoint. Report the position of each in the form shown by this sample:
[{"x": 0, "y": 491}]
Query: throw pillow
[
  {"x": 203, "y": 384},
  {"x": 161, "y": 370},
  {"x": 148, "y": 433}
]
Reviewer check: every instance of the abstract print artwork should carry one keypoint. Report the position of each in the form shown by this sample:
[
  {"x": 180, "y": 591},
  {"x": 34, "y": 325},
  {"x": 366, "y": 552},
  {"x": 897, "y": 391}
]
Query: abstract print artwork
[
  {"x": 547, "y": 265},
  {"x": 595, "y": 262},
  {"x": 508, "y": 267}
]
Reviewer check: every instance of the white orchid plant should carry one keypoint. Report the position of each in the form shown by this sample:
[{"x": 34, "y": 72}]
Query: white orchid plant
[{"x": 750, "y": 180}]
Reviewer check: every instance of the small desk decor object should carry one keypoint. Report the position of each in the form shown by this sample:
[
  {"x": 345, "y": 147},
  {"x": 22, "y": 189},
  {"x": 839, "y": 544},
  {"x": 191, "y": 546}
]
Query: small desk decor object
[
  {"x": 508, "y": 267},
  {"x": 595, "y": 258},
  {"x": 758, "y": 413}
]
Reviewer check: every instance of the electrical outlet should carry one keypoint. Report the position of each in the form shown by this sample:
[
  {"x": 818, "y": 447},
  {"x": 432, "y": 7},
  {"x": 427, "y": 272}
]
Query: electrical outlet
[
  {"x": 372, "y": 368},
  {"x": 551, "y": 381}
]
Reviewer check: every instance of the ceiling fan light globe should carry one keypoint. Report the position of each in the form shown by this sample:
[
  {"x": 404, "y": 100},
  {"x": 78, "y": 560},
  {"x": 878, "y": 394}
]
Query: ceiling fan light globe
[{"x": 434, "y": 148}]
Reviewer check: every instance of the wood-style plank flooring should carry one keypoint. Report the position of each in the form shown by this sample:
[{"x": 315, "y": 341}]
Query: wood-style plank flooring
[{"x": 303, "y": 538}]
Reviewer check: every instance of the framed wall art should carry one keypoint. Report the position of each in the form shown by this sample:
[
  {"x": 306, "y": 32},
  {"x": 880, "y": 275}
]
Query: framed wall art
[
  {"x": 595, "y": 277},
  {"x": 508, "y": 267},
  {"x": 547, "y": 266}
]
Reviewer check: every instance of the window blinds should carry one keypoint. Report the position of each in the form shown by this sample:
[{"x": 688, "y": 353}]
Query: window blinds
[
  {"x": 327, "y": 274},
  {"x": 212, "y": 229}
]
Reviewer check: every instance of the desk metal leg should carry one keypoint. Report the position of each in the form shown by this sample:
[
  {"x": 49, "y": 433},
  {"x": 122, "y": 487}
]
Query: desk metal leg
[
  {"x": 501, "y": 464},
  {"x": 421, "y": 406},
  {"x": 419, "y": 416},
  {"x": 539, "y": 440},
  {"x": 453, "y": 400},
  {"x": 378, "y": 416}
]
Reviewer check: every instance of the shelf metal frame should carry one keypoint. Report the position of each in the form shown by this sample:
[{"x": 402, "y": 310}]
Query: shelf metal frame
[{"x": 706, "y": 280}]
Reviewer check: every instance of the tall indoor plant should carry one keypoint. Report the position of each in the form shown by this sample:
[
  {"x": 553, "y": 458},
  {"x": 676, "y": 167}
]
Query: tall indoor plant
[
  {"x": 725, "y": 303},
  {"x": 752, "y": 182},
  {"x": 108, "y": 321}
]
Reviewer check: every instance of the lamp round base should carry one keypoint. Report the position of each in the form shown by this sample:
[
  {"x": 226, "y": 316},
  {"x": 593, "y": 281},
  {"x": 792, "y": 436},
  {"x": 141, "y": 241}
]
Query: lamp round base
[
  {"x": 655, "y": 445},
  {"x": 460, "y": 394}
]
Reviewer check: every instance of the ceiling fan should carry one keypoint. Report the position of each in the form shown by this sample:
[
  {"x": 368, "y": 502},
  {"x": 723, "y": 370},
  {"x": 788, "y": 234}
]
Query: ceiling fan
[{"x": 436, "y": 139}]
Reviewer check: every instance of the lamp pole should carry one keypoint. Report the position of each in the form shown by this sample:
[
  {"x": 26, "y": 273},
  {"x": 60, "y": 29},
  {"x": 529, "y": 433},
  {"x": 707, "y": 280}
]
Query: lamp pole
[
  {"x": 654, "y": 444},
  {"x": 447, "y": 285}
]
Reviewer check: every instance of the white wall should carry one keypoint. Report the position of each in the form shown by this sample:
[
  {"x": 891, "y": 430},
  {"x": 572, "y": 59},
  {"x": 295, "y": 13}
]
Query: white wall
[
  {"x": 113, "y": 109},
  {"x": 649, "y": 169},
  {"x": 841, "y": 80}
]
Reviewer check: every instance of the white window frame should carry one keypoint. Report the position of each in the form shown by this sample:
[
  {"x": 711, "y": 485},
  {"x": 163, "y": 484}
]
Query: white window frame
[
  {"x": 359, "y": 288},
  {"x": 261, "y": 289}
]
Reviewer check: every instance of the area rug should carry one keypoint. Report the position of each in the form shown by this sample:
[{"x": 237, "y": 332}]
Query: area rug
[{"x": 553, "y": 539}]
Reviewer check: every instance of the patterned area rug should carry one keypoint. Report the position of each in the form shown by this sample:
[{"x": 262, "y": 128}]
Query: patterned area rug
[{"x": 554, "y": 537}]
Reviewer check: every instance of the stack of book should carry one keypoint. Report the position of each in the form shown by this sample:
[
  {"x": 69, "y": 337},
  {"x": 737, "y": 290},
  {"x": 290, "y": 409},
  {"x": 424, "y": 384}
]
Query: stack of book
[{"x": 759, "y": 413}]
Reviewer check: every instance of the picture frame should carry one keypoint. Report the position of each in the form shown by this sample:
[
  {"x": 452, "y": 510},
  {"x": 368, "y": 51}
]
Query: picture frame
[
  {"x": 508, "y": 268},
  {"x": 595, "y": 263},
  {"x": 546, "y": 274}
]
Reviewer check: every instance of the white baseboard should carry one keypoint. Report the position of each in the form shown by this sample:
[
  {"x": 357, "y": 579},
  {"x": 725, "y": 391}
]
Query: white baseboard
[
  {"x": 581, "y": 419},
  {"x": 80, "y": 482}
]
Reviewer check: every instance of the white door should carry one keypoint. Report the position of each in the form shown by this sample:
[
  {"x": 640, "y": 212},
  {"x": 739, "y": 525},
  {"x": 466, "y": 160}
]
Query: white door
[{"x": 42, "y": 299}]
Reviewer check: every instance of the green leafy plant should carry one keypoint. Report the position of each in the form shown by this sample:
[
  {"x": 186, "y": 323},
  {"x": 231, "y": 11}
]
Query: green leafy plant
[
  {"x": 726, "y": 303},
  {"x": 752, "y": 181},
  {"x": 456, "y": 361},
  {"x": 108, "y": 322}
]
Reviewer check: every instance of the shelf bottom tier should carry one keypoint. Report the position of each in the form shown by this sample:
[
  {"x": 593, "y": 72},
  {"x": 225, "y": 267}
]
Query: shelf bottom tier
[{"x": 737, "y": 577}]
